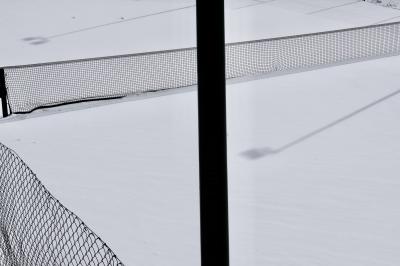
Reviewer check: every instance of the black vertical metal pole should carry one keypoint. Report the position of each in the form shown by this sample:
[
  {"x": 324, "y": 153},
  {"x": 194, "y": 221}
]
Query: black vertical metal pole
[
  {"x": 212, "y": 133},
  {"x": 3, "y": 93}
]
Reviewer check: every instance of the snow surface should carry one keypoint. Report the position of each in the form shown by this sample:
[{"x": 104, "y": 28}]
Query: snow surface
[
  {"x": 313, "y": 156},
  {"x": 44, "y": 31},
  {"x": 386, "y": 3}
]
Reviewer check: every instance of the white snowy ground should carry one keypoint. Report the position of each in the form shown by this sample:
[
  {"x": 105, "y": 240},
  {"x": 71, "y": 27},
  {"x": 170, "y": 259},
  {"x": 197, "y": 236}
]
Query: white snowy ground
[
  {"x": 313, "y": 156},
  {"x": 386, "y": 3},
  {"x": 52, "y": 30}
]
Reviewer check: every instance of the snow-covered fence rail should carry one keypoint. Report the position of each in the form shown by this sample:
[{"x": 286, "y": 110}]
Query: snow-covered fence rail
[
  {"x": 36, "y": 229},
  {"x": 34, "y": 86}
]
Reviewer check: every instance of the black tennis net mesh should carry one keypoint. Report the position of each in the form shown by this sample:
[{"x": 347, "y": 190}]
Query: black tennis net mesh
[
  {"x": 35, "y": 86},
  {"x": 36, "y": 229}
]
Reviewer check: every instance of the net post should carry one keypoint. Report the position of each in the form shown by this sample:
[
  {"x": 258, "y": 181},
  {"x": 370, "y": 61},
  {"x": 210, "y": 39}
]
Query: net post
[
  {"x": 3, "y": 93},
  {"x": 212, "y": 133}
]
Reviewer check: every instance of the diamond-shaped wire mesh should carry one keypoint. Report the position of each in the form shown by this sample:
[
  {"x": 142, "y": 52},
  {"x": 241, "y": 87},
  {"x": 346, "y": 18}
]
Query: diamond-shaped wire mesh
[
  {"x": 43, "y": 85},
  {"x": 36, "y": 229}
]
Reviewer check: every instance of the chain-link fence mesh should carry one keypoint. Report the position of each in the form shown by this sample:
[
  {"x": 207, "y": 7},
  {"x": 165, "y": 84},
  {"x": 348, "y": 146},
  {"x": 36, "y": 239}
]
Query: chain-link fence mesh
[
  {"x": 34, "y": 86},
  {"x": 36, "y": 229}
]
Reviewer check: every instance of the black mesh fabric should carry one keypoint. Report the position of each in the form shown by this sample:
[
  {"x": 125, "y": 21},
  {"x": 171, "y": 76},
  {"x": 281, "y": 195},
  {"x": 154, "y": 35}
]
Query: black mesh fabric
[
  {"x": 35, "y": 86},
  {"x": 36, "y": 229}
]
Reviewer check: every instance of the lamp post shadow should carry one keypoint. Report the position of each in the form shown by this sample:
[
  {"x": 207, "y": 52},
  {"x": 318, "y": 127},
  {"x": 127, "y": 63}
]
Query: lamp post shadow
[{"x": 258, "y": 153}]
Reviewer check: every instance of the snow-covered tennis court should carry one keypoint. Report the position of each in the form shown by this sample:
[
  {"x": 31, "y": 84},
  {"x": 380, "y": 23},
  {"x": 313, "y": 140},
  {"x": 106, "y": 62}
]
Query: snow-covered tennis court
[{"x": 313, "y": 156}]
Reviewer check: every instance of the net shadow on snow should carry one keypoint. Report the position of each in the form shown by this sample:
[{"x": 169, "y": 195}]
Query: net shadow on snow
[
  {"x": 36, "y": 229},
  {"x": 258, "y": 153}
]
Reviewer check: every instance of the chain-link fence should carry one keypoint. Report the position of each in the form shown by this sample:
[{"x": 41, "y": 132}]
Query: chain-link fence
[
  {"x": 36, "y": 229},
  {"x": 43, "y": 85}
]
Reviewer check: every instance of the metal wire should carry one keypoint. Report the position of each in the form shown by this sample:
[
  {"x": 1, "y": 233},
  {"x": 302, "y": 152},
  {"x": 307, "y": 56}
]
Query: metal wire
[{"x": 36, "y": 229}]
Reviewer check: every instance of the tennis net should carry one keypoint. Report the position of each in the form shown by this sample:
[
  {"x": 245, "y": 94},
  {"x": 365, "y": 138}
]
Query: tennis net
[{"x": 34, "y": 86}]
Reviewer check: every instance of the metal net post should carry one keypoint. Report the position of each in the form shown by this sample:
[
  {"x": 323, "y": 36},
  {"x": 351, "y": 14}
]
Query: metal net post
[{"x": 3, "y": 94}]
